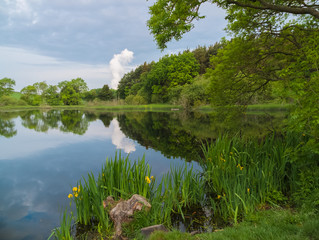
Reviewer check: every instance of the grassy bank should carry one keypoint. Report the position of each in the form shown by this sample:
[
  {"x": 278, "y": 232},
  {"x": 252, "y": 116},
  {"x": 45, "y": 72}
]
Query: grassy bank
[
  {"x": 120, "y": 106},
  {"x": 275, "y": 224},
  {"x": 254, "y": 107},
  {"x": 148, "y": 107}
]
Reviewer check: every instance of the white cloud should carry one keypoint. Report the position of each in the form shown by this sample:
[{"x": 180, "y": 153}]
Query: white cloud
[
  {"x": 119, "y": 65},
  {"x": 26, "y": 68},
  {"x": 20, "y": 11}
]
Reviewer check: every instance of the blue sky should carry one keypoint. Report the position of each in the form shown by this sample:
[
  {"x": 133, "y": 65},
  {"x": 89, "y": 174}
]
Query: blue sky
[{"x": 97, "y": 40}]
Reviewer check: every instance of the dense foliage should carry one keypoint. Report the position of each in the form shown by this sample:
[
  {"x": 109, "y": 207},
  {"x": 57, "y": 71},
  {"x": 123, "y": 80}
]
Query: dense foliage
[{"x": 273, "y": 53}]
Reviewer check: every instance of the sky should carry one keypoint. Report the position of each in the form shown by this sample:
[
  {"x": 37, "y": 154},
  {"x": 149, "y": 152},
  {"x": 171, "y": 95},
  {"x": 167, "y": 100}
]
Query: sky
[{"x": 96, "y": 40}]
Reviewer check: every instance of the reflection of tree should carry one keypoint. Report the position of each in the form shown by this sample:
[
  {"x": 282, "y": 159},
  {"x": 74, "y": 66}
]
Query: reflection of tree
[
  {"x": 233, "y": 121},
  {"x": 74, "y": 121},
  {"x": 10, "y": 114},
  {"x": 160, "y": 131},
  {"x": 181, "y": 134},
  {"x": 7, "y": 128},
  {"x": 106, "y": 118},
  {"x": 35, "y": 120}
]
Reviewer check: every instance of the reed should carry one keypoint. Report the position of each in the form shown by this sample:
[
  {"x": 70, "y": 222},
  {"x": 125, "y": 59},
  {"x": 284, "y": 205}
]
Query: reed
[
  {"x": 177, "y": 190},
  {"x": 240, "y": 175},
  {"x": 64, "y": 231}
]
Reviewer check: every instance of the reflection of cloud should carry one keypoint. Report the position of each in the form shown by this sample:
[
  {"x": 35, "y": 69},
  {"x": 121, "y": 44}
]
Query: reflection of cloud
[{"x": 119, "y": 139}]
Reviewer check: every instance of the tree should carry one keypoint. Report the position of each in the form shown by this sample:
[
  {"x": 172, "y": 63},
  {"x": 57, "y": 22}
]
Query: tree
[
  {"x": 133, "y": 79},
  {"x": 169, "y": 72},
  {"x": 40, "y": 87},
  {"x": 69, "y": 96},
  {"x": 6, "y": 86},
  {"x": 91, "y": 95},
  {"x": 173, "y": 18},
  {"x": 72, "y": 91},
  {"x": 78, "y": 84},
  {"x": 105, "y": 94},
  {"x": 29, "y": 94},
  {"x": 51, "y": 95}
]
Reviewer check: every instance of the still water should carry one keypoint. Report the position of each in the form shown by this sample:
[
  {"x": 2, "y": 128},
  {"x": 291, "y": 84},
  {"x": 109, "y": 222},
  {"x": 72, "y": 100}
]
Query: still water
[{"x": 44, "y": 153}]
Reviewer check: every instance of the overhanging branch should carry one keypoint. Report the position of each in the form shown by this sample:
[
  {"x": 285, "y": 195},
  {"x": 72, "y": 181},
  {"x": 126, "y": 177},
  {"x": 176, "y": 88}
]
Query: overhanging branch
[{"x": 263, "y": 5}]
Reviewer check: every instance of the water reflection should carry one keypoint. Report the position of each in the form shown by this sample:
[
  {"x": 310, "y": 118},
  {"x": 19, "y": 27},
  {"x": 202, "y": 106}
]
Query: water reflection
[
  {"x": 44, "y": 153},
  {"x": 120, "y": 140},
  {"x": 174, "y": 134},
  {"x": 7, "y": 128}
]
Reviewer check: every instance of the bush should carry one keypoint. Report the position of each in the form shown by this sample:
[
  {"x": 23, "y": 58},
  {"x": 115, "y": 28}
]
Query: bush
[
  {"x": 10, "y": 101},
  {"x": 139, "y": 100},
  {"x": 129, "y": 99},
  {"x": 135, "y": 100}
]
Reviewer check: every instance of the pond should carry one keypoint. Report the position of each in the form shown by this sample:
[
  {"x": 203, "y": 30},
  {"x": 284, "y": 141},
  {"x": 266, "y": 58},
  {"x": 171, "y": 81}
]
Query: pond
[{"x": 44, "y": 153}]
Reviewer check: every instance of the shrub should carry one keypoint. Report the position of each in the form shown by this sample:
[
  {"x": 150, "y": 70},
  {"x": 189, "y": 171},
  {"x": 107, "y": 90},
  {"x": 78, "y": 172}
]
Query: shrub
[{"x": 10, "y": 101}]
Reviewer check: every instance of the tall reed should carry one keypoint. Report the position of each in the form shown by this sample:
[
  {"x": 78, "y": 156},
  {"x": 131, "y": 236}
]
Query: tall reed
[
  {"x": 240, "y": 175},
  {"x": 120, "y": 178}
]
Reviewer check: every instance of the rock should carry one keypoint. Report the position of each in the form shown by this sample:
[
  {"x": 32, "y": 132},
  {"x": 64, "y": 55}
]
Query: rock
[
  {"x": 194, "y": 233},
  {"x": 109, "y": 202},
  {"x": 148, "y": 230},
  {"x": 124, "y": 210}
]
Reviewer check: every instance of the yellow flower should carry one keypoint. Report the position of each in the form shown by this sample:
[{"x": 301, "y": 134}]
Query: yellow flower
[
  {"x": 218, "y": 196},
  {"x": 152, "y": 177},
  {"x": 147, "y": 179},
  {"x": 240, "y": 167},
  {"x": 70, "y": 196},
  {"x": 303, "y": 135},
  {"x": 79, "y": 188},
  {"x": 76, "y": 194},
  {"x": 248, "y": 190},
  {"x": 75, "y": 189},
  {"x": 231, "y": 153}
]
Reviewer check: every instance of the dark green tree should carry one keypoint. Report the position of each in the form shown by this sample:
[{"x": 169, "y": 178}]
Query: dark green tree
[{"x": 105, "y": 94}]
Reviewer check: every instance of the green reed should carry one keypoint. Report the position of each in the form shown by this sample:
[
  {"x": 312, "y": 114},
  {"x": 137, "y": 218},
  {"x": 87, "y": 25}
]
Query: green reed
[
  {"x": 240, "y": 175},
  {"x": 179, "y": 189},
  {"x": 64, "y": 231}
]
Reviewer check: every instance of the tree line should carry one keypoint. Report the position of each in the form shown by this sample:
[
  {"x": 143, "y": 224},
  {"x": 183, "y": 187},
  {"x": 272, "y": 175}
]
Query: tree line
[{"x": 72, "y": 92}]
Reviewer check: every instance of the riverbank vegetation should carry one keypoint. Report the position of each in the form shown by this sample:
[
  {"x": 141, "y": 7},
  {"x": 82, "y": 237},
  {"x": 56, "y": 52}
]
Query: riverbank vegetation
[{"x": 238, "y": 178}]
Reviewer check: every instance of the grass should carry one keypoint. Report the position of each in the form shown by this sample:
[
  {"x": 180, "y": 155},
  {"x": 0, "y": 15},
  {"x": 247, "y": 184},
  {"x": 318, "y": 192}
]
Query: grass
[
  {"x": 113, "y": 108},
  {"x": 275, "y": 224},
  {"x": 254, "y": 107},
  {"x": 16, "y": 95}
]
